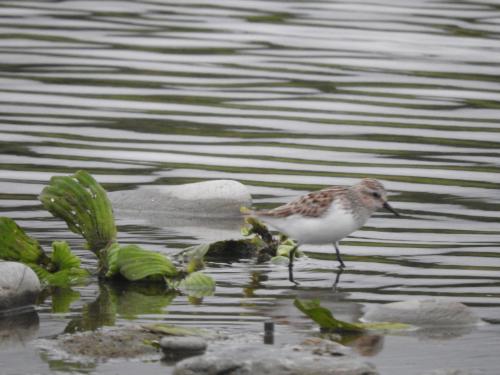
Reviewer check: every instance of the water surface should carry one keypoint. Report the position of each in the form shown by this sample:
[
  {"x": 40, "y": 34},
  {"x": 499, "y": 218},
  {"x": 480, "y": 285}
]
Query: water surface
[{"x": 286, "y": 97}]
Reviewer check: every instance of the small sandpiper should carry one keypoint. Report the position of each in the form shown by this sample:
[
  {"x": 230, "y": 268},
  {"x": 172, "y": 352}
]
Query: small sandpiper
[{"x": 327, "y": 215}]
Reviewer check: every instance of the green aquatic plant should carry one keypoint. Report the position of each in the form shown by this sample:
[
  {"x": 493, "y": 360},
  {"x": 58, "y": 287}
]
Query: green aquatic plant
[
  {"x": 326, "y": 321},
  {"x": 260, "y": 244},
  {"x": 60, "y": 268},
  {"x": 324, "y": 317},
  {"x": 17, "y": 246},
  {"x": 197, "y": 284},
  {"x": 84, "y": 205},
  {"x": 267, "y": 247},
  {"x": 63, "y": 269},
  {"x": 134, "y": 263},
  {"x": 193, "y": 257}
]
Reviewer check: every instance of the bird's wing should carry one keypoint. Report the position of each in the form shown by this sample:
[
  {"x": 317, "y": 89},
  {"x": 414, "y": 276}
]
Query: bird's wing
[{"x": 313, "y": 204}]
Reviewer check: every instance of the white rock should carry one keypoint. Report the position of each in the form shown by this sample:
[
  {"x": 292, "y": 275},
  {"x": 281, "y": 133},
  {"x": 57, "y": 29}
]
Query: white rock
[
  {"x": 208, "y": 210},
  {"x": 423, "y": 313},
  {"x": 19, "y": 287},
  {"x": 217, "y": 198}
]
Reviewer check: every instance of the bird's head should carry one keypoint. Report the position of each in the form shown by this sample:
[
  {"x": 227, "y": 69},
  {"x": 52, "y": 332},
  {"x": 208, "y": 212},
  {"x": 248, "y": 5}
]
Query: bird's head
[{"x": 374, "y": 195}]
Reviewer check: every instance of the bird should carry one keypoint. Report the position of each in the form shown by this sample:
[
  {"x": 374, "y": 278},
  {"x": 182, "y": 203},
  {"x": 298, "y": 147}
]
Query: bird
[{"x": 327, "y": 216}]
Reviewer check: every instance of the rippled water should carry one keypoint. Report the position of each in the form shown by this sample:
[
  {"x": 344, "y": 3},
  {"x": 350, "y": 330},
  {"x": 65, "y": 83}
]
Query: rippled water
[{"x": 286, "y": 97}]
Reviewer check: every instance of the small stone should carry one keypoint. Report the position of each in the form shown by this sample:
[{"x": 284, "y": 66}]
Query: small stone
[
  {"x": 180, "y": 345},
  {"x": 321, "y": 346}
]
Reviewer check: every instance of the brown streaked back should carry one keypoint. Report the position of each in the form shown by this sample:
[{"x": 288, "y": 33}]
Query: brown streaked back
[{"x": 313, "y": 204}]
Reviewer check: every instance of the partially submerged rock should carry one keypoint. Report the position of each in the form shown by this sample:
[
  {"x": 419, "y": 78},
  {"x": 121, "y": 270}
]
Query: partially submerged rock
[
  {"x": 246, "y": 360},
  {"x": 423, "y": 313},
  {"x": 216, "y": 198},
  {"x": 102, "y": 344},
  {"x": 451, "y": 371},
  {"x": 19, "y": 287},
  {"x": 210, "y": 210},
  {"x": 176, "y": 348},
  {"x": 435, "y": 319}
]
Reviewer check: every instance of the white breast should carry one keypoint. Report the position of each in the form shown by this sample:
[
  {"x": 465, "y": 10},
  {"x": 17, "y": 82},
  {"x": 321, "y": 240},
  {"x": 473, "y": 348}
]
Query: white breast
[{"x": 334, "y": 225}]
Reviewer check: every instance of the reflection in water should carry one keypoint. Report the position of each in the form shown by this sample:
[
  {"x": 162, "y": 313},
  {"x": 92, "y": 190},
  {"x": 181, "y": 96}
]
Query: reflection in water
[
  {"x": 368, "y": 345},
  {"x": 286, "y": 97},
  {"x": 17, "y": 330},
  {"x": 125, "y": 300},
  {"x": 61, "y": 298}
]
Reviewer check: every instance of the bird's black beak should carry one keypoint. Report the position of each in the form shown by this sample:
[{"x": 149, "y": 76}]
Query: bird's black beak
[{"x": 388, "y": 207}]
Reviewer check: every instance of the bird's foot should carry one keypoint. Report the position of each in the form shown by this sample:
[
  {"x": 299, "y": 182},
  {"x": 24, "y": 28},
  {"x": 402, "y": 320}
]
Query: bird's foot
[
  {"x": 290, "y": 276},
  {"x": 337, "y": 278}
]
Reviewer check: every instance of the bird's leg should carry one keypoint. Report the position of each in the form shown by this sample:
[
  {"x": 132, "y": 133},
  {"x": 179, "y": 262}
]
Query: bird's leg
[
  {"x": 339, "y": 258},
  {"x": 337, "y": 278},
  {"x": 291, "y": 256}
]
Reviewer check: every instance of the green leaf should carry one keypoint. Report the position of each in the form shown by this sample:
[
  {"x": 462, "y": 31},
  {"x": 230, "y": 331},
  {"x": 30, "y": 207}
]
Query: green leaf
[
  {"x": 82, "y": 202},
  {"x": 284, "y": 249},
  {"x": 135, "y": 263},
  {"x": 62, "y": 269},
  {"x": 62, "y": 278},
  {"x": 171, "y": 330},
  {"x": 198, "y": 284},
  {"x": 16, "y": 245},
  {"x": 324, "y": 318},
  {"x": 193, "y": 257},
  {"x": 111, "y": 260},
  {"x": 62, "y": 257}
]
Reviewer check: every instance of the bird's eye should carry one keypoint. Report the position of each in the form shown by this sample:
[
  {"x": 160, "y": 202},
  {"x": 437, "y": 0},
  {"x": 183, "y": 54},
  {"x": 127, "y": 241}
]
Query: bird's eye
[{"x": 376, "y": 195}]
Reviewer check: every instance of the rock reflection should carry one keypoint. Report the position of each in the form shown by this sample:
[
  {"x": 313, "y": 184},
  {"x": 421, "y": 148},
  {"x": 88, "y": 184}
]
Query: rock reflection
[
  {"x": 17, "y": 330},
  {"x": 368, "y": 345}
]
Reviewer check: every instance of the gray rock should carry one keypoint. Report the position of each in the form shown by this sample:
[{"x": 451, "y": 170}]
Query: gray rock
[
  {"x": 102, "y": 344},
  {"x": 19, "y": 287},
  {"x": 423, "y": 313},
  {"x": 246, "y": 360},
  {"x": 216, "y": 198},
  {"x": 451, "y": 372},
  {"x": 179, "y": 345}
]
